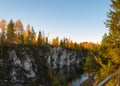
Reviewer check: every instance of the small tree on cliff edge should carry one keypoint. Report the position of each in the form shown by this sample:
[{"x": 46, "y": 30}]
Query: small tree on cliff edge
[{"x": 10, "y": 32}]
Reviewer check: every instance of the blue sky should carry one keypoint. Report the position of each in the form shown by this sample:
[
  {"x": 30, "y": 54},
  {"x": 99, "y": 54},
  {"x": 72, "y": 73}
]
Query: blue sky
[{"x": 79, "y": 20}]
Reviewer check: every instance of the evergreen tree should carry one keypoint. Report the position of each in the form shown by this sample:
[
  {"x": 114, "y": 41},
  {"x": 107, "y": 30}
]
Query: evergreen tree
[
  {"x": 47, "y": 41},
  {"x": 10, "y": 32},
  {"x": 33, "y": 36},
  {"x": 90, "y": 64},
  {"x": 64, "y": 42},
  {"x": 40, "y": 38},
  {"x": 110, "y": 47},
  {"x": 61, "y": 43}
]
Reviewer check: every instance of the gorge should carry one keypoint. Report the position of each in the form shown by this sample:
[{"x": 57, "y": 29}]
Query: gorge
[{"x": 37, "y": 65}]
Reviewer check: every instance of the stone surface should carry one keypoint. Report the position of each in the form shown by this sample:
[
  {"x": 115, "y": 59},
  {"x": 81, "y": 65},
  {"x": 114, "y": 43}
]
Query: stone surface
[{"x": 30, "y": 64}]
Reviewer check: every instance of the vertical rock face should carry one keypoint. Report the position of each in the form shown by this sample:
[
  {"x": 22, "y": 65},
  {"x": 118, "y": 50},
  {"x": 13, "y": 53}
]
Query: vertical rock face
[
  {"x": 23, "y": 68},
  {"x": 60, "y": 57},
  {"x": 30, "y": 65},
  {"x": 65, "y": 63}
]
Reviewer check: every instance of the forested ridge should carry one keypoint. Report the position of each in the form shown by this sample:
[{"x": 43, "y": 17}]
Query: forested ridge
[{"x": 14, "y": 33}]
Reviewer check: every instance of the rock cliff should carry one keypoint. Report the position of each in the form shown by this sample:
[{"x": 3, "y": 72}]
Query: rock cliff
[{"x": 21, "y": 65}]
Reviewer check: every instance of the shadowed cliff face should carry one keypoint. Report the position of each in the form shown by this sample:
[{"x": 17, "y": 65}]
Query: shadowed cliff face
[
  {"x": 60, "y": 57},
  {"x": 30, "y": 65}
]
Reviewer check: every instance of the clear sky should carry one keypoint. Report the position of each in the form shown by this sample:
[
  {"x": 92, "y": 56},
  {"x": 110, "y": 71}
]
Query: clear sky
[{"x": 79, "y": 20}]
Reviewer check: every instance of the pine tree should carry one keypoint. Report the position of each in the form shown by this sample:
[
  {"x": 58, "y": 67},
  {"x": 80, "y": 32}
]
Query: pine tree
[
  {"x": 46, "y": 41},
  {"x": 40, "y": 38},
  {"x": 10, "y": 32},
  {"x": 33, "y": 36},
  {"x": 110, "y": 47},
  {"x": 90, "y": 64}
]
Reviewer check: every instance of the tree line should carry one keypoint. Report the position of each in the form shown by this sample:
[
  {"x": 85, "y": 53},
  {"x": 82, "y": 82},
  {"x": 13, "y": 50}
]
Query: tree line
[{"x": 15, "y": 33}]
